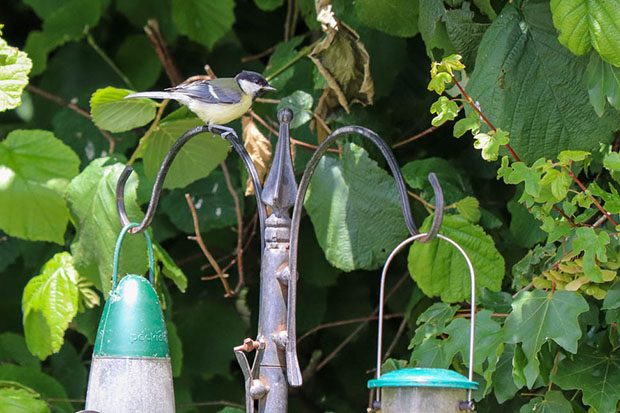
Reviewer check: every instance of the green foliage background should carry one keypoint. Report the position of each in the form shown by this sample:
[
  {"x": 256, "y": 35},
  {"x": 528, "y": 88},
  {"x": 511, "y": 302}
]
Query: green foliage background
[{"x": 531, "y": 88}]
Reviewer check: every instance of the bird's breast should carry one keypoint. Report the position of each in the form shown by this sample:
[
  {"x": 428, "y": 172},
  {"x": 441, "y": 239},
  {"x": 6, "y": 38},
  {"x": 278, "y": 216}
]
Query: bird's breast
[{"x": 221, "y": 113}]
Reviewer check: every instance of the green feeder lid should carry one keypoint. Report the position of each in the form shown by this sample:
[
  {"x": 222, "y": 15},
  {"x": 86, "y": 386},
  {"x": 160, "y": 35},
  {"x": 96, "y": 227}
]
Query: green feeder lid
[
  {"x": 132, "y": 324},
  {"x": 418, "y": 377}
]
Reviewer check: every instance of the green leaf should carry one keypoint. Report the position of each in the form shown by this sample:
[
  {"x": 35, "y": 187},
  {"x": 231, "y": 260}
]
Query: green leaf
[
  {"x": 445, "y": 110},
  {"x": 35, "y": 168},
  {"x": 363, "y": 221},
  {"x": 282, "y": 56},
  {"x": 69, "y": 369},
  {"x": 204, "y": 21},
  {"x": 110, "y": 111},
  {"x": 212, "y": 200},
  {"x": 13, "y": 349},
  {"x": 524, "y": 228},
  {"x": 14, "y": 68},
  {"x": 432, "y": 28},
  {"x": 176, "y": 349},
  {"x": 139, "y": 12},
  {"x": 538, "y": 317},
  {"x": 469, "y": 208},
  {"x": 490, "y": 143},
  {"x": 593, "y": 246},
  {"x": 269, "y": 5},
  {"x": 574, "y": 156},
  {"x": 464, "y": 32},
  {"x": 196, "y": 160},
  {"x": 595, "y": 373},
  {"x": 67, "y": 22},
  {"x": 485, "y": 7},
  {"x": 169, "y": 268},
  {"x": 488, "y": 343},
  {"x": 45, "y": 385},
  {"x": 137, "y": 59},
  {"x": 504, "y": 386},
  {"x": 92, "y": 201},
  {"x": 603, "y": 84},
  {"x": 612, "y": 299},
  {"x": 49, "y": 303},
  {"x": 438, "y": 82},
  {"x": 394, "y": 17},
  {"x": 212, "y": 315},
  {"x": 553, "y": 402},
  {"x": 528, "y": 84},
  {"x": 469, "y": 123},
  {"x": 20, "y": 399},
  {"x": 440, "y": 270},
  {"x": 584, "y": 24},
  {"x": 300, "y": 103},
  {"x": 454, "y": 182},
  {"x": 612, "y": 161},
  {"x": 518, "y": 172}
]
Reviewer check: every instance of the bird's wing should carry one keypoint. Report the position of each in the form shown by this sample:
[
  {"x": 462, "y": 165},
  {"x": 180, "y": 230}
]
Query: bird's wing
[{"x": 222, "y": 90}]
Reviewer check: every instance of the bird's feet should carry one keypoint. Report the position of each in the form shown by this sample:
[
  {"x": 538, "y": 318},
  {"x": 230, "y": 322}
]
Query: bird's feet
[{"x": 221, "y": 130}]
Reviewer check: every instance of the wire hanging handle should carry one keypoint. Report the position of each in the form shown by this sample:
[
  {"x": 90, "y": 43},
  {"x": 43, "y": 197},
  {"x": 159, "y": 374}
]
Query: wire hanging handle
[
  {"x": 472, "y": 277},
  {"x": 117, "y": 254}
]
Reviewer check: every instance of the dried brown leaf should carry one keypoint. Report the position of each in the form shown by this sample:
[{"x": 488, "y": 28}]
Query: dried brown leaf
[
  {"x": 344, "y": 62},
  {"x": 259, "y": 148}
]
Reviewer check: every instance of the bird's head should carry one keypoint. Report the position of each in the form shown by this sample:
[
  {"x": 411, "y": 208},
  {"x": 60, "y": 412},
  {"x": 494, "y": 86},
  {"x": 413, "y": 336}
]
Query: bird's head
[{"x": 253, "y": 84}]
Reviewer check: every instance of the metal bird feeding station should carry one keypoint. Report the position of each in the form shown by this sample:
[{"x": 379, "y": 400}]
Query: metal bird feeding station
[{"x": 275, "y": 366}]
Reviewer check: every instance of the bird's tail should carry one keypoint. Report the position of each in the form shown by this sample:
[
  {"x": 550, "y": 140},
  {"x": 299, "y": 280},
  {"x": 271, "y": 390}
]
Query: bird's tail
[{"x": 160, "y": 95}]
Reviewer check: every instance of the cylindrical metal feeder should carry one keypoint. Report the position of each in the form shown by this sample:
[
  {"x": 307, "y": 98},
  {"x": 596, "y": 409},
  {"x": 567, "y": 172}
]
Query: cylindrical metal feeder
[
  {"x": 130, "y": 370},
  {"x": 424, "y": 390}
]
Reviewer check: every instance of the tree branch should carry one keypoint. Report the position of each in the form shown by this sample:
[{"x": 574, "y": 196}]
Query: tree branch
[
  {"x": 77, "y": 109},
  {"x": 152, "y": 31},
  {"x": 239, "y": 248},
  {"x": 198, "y": 238}
]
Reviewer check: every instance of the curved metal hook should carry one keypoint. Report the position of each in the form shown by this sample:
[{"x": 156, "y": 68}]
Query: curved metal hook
[
  {"x": 472, "y": 328},
  {"x": 226, "y": 133},
  {"x": 292, "y": 362}
]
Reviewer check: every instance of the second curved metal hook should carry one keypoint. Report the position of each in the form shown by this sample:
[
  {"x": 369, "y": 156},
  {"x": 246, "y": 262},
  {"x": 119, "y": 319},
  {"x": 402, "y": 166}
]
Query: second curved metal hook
[{"x": 292, "y": 362}]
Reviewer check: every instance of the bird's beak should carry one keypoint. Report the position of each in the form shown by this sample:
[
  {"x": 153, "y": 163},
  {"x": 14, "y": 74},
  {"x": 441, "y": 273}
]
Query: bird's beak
[{"x": 269, "y": 88}]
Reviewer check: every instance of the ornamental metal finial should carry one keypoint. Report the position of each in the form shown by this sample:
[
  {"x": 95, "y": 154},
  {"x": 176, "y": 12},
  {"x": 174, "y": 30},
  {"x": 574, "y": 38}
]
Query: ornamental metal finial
[{"x": 280, "y": 187}]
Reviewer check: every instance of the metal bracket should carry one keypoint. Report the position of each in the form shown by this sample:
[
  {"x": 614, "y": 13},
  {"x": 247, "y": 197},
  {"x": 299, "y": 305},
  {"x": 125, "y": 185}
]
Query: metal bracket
[{"x": 254, "y": 387}]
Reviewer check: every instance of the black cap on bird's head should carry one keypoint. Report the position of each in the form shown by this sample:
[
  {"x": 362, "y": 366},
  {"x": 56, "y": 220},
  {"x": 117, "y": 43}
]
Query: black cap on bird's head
[{"x": 253, "y": 83}]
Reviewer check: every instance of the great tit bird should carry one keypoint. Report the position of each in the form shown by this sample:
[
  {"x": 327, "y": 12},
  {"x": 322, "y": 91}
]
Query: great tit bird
[{"x": 216, "y": 101}]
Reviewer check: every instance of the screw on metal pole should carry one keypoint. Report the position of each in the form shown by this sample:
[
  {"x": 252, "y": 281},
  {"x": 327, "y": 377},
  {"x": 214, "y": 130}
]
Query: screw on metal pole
[{"x": 293, "y": 370}]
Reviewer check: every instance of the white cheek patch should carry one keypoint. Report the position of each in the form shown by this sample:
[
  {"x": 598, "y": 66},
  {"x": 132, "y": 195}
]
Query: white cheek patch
[{"x": 249, "y": 88}]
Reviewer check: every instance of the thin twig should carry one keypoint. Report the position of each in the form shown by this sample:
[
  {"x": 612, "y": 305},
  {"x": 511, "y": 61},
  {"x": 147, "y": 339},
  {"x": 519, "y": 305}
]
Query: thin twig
[
  {"x": 91, "y": 41},
  {"x": 239, "y": 248},
  {"x": 152, "y": 31},
  {"x": 344, "y": 323},
  {"x": 355, "y": 332},
  {"x": 293, "y": 140},
  {"x": 198, "y": 238},
  {"x": 416, "y": 136},
  {"x": 594, "y": 200},
  {"x": 257, "y": 56},
  {"x": 421, "y": 200},
  {"x": 399, "y": 333},
  {"x": 486, "y": 120},
  {"x": 77, "y": 109}
]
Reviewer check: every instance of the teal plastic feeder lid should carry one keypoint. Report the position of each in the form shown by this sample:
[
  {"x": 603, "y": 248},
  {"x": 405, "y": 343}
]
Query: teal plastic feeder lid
[
  {"x": 132, "y": 324},
  {"x": 418, "y": 377}
]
